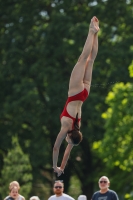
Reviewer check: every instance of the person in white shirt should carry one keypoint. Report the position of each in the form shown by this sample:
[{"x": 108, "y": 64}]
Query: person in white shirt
[{"x": 58, "y": 191}]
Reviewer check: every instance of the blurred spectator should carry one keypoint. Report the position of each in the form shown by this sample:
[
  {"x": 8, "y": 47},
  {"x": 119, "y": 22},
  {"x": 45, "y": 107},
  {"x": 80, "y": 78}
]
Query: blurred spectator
[
  {"x": 58, "y": 191},
  {"x": 82, "y": 197},
  {"x": 104, "y": 193},
  {"x": 34, "y": 198},
  {"x": 11, "y": 186}
]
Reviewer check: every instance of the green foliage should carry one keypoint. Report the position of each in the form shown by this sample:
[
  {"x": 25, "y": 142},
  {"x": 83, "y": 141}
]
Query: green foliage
[
  {"x": 116, "y": 147},
  {"x": 16, "y": 167},
  {"x": 131, "y": 69},
  {"x": 75, "y": 187},
  {"x": 119, "y": 131}
]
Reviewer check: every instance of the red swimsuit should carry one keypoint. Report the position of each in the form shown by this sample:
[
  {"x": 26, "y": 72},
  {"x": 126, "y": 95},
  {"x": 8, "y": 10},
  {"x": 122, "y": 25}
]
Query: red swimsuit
[{"x": 82, "y": 96}]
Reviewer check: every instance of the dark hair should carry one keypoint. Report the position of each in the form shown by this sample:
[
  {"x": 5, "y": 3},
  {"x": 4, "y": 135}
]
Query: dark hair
[{"x": 75, "y": 134}]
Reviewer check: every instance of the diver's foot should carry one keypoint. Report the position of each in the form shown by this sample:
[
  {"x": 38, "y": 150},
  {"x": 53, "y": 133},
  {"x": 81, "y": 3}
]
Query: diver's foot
[{"x": 94, "y": 25}]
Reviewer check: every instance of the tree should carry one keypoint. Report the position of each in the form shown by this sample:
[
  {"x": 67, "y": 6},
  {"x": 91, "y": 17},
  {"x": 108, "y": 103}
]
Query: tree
[
  {"x": 116, "y": 147},
  {"x": 16, "y": 167}
]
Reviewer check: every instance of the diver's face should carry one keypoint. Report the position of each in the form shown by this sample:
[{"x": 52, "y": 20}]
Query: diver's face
[{"x": 69, "y": 141}]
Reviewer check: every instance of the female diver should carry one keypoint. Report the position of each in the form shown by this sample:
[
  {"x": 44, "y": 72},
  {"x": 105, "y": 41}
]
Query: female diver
[{"x": 79, "y": 87}]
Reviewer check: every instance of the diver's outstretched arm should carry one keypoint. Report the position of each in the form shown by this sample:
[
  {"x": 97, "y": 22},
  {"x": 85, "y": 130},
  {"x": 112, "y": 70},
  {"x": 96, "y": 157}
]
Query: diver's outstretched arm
[
  {"x": 66, "y": 156},
  {"x": 62, "y": 134},
  {"x": 60, "y": 170}
]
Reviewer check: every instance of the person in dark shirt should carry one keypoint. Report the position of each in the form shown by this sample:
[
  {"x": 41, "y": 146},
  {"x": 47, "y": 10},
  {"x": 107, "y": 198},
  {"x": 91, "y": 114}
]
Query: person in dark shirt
[{"x": 104, "y": 193}]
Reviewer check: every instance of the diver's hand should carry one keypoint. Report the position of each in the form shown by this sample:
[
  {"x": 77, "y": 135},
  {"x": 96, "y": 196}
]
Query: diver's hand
[{"x": 59, "y": 171}]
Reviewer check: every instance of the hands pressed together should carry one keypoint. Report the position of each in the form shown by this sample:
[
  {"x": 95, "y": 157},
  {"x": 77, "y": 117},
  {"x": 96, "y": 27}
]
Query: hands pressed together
[{"x": 58, "y": 170}]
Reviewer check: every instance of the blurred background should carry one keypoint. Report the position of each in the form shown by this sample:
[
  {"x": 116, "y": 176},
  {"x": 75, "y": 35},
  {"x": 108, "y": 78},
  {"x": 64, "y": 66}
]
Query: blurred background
[{"x": 40, "y": 42}]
